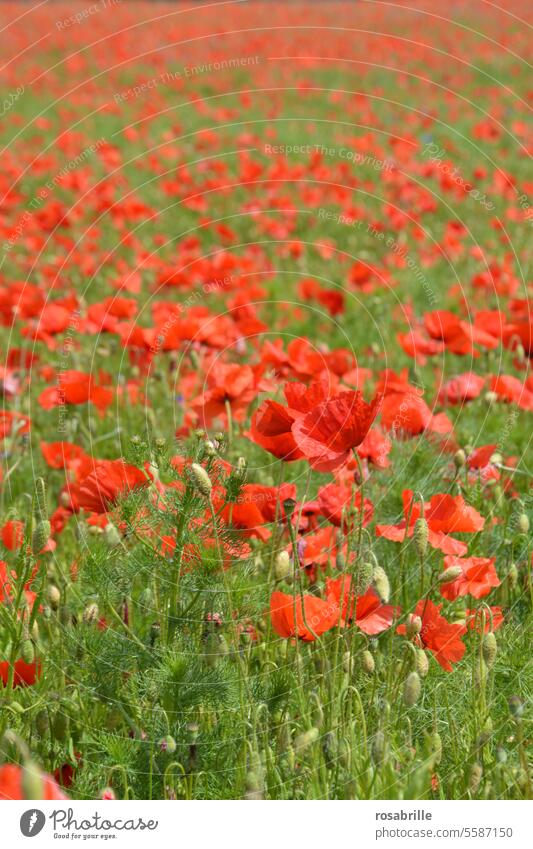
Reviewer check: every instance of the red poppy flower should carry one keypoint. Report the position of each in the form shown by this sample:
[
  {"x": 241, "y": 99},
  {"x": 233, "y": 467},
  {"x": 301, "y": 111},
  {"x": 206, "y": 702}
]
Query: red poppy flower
[
  {"x": 25, "y": 675},
  {"x": 478, "y": 578},
  {"x": 11, "y": 784},
  {"x": 475, "y": 618},
  {"x": 440, "y": 637},
  {"x": 407, "y": 414},
  {"x": 464, "y": 387},
  {"x": 13, "y": 534},
  {"x": 327, "y": 434},
  {"x": 335, "y": 501},
  {"x": 319, "y": 615},
  {"x": 371, "y": 615},
  {"x": 108, "y": 481},
  {"x": 445, "y": 514},
  {"x": 75, "y": 387}
]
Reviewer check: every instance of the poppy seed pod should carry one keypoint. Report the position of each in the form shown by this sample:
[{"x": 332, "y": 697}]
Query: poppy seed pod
[
  {"x": 381, "y": 584},
  {"x": 420, "y": 536},
  {"x": 201, "y": 479},
  {"x": 412, "y": 689},
  {"x": 450, "y": 575},
  {"x": 368, "y": 663},
  {"x": 489, "y": 648},
  {"x": 289, "y": 506},
  {"x": 282, "y": 565},
  {"x": 378, "y": 748},
  {"x": 40, "y": 536}
]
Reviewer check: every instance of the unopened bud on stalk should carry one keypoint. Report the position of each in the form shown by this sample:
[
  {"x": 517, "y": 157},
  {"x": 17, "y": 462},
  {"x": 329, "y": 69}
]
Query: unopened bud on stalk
[
  {"x": 54, "y": 596},
  {"x": 474, "y": 780},
  {"x": 303, "y": 741},
  {"x": 90, "y": 614},
  {"x": 420, "y": 536},
  {"x": 491, "y": 397},
  {"x": 421, "y": 663},
  {"x": 317, "y": 714},
  {"x": 434, "y": 743},
  {"x": 282, "y": 565},
  {"x": 40, "y": 536},
  {"x": 201, "y": 479},
  {"x": 27, "y": 651},
  {"x": 523, "y": 523},
  {"x": 41, "y": 722},
  {"x": 496, "y": 459},
  {"x": 480, "y": 674},
  {"x": 254, "y": 789},
  {"x": 459, "y": 459},
  {"x": 412, "y": 689},
  {"x": 363, "y": 578},
  {"x": 40, "y": 498},
  {"x": 489, "y": 648},
  {"x": 368, "y": 663},
  {"x": 413, "y": 626},
  {"x": 240, "y": 468},
  {"x": 112, "y": 535},
  {"x": 486, "y": 733},
  {"x": 381, "y": 584},
  {"x": 378, "y": 748},
  {"x": 330, "y": 749},
  {"x": 516, "y": 707},
  {"x": 32, "y": 781},
  {"x": 512, "y": 576},
  {"x": 210, "y": 448},
  {"x": 289, "y": 505},
  {"x": 520, "y": 353},
  {"x": 60, "y": 725},
  {"x": 450, "y": 574}
]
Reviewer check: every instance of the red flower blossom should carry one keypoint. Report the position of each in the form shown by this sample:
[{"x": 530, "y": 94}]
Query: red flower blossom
[
  {"x": 25, "y": 675},
  {"x": 327, "y": 434},
  {"x": 478, "y": 578},
  {"x": 371, "y": 615},
  {"x": 440, "y": 637},
  {"x": 319, "y": 615},
  {"x": 11, "y": 784},
  {"x": 445, "y": 514},
  {"x": 105, "y": 484}
]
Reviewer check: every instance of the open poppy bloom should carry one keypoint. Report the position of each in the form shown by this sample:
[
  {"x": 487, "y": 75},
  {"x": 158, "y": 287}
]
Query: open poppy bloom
[
  {"x": 407, "y": 414},
  {"x": 465, "y": 387},
  {"x": 371, "y": 615},
  {"x": 25, "y": 675},
  {"x": 440, "y": 637},
  {"x": 445, "y": 514},
  {"x": 328, "y": 433},
  {"x": 478, "y": 578},
  {"x": 109, "y": 480},
  {"x": 12, "y": 785},
  {"x": 306, "y": 618},
  {"x": 337, "y": 502},
  {"x": 475, "y": 619}
]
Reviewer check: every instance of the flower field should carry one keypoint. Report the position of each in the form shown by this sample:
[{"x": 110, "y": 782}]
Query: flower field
[{"x": 267, "y": 400}]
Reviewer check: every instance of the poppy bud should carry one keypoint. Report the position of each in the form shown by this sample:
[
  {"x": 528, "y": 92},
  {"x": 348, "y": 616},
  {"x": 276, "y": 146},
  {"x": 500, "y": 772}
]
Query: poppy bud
[
  {"x": 40, "y": 498},
  {"x": 254, "y": 789},
  {"x": 459, "y": 459},
  {"x": 282, "y": 565},
  {"x": 381, "y": 583},
  {"x": 480, "y": 674},
  {"x": 160, "y": 444},
  {"x": 155, "y": 631},
  {"x": 112, "y": 535},
  {"x": 450, "y": 574},
  {"x": 474, "y": 779},
  {"x": 201, "y": 479},
  {"x": 27, "y": 651},
  {"x": 496, "y": 459},
  {"x": 516, "y": 707},
  {"x": 363, "y": 578},
  {"x": 330, "y": 749},
  {"x": 210, "y": 448},
  {"x": 421, "y": 663},
  {"x": 486, "y": 733},
  {"x": 303, "y": 741},
  {"x": 317, "y": 714},
  {"x": 344, "y": 753},
  {"x": 378, "y": 748},
  {"x": 434, "y": 744},
  {"x": 523, "y": 523},
  {"x": 489, "y": 648},
  {"x": 192, "y": 733},
  {"x": 413, "y": 626},
  {"x": 145, "y": 598},
  {"x": 32, "y": 781},
  {"x": 420, "y": 536},
  {"x": 240, "y": 469},
  {"x": 168, "y": 744},
  {"x": 107, "y": 793},
  {"x": 412, "y": 689},
  {"x": 512, "y": 576},
  {"x": 54, "y": 596},
  {"x": 41, "y": 722},
  {"x": 491, "y": 397},
  {"x": 520, "y": 353},
  {"x": 347, "y": 664},
  {"x": 60, "y": 725},
  {"x": 368, "y": 663},
  {"x": 90, "y": 614},
  {"x": 40, "y": 536}
]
